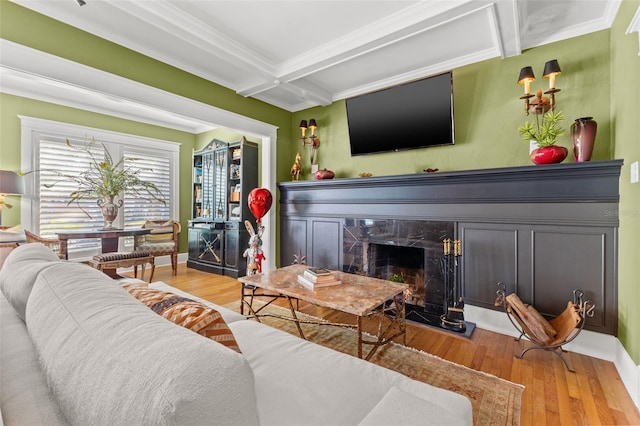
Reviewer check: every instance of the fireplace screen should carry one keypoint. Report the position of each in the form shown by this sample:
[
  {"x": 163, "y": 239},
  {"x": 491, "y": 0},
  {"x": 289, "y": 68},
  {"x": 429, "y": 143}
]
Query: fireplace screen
[{"x": 412, "y": 249}]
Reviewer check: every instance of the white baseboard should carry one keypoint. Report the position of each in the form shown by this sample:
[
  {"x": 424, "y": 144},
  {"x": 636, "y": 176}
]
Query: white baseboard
[{"x": 597, "y": 345}]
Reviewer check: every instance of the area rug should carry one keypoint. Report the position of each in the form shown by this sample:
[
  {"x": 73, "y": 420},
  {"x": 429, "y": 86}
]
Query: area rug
[{"x": 495, "y": 401}]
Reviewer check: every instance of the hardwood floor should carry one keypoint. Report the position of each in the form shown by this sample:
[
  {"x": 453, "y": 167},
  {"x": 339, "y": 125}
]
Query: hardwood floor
[{"x": 593, "y": 395}]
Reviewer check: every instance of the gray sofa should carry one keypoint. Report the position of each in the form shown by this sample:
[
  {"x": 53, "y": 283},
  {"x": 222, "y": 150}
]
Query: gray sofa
[{"x": 76, "y": 348}]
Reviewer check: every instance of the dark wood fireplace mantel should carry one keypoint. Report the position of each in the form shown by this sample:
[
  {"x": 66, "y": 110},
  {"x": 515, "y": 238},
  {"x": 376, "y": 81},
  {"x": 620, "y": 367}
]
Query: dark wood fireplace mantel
[
  {"x": 542, "y": 230},
  {"x": 572, "y": 182},
  {"x": 533, "y": 194}
]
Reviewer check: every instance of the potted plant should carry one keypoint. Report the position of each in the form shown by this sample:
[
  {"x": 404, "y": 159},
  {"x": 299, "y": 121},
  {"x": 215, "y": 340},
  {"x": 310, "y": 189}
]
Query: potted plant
[
  {"x": 546, "y": 134},
  {"x": 105, "y": 180}
]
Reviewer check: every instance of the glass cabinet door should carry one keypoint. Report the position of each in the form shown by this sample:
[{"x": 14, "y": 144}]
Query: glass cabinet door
[
  {"x": 220, "y": 187},
  {"x": 207, "y": 185},
  {"x": 196, "y": 205}
]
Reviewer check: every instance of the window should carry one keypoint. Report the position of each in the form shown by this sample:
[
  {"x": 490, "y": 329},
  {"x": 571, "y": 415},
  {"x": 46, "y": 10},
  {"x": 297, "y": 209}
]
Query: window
[
  {"x": 49, "y": 211},
  {"x": 157, "y": 170}
]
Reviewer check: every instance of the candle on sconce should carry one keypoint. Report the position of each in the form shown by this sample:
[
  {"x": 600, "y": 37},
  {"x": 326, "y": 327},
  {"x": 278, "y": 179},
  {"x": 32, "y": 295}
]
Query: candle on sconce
[
  {"x": 303, "y": 128},
  {"x": 552, "y": 81},
  {"x": 527, "y": 87}
]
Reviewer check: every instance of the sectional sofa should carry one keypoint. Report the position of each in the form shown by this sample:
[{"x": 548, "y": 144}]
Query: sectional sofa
[{"x": 77, "y": 348}]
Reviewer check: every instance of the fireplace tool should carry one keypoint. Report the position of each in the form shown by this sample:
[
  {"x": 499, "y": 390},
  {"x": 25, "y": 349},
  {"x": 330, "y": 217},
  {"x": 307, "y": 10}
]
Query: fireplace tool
[{"x": 453, "y": 317}]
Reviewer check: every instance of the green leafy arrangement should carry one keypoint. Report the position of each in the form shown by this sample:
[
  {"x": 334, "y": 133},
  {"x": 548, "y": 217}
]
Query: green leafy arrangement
[
  {"x": 396, "y": 278},
  {"x": 107, "y": 179},
  {"x": 547, "y": 132}
]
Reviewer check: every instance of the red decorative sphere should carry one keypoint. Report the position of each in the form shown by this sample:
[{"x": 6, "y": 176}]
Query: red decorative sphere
[
  {"x": 324, "y": 174},
  {"x": 549, "y": 154}
]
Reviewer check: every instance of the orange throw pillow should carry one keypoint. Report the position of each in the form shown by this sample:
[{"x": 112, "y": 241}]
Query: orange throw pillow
[{"x": 188, "y": 313}]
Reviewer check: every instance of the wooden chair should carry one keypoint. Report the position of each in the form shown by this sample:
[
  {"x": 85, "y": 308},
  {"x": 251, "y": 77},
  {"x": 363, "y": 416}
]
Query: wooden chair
[
  {"x": 548, "y": 335},
  {"x": 52, "y": 243},
  {"x": 163, "y": 240}
]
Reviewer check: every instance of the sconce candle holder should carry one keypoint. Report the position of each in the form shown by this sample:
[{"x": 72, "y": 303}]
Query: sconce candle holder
[
  {"x": 540, "y": 104},
  {"x": 312, "y": 140}
]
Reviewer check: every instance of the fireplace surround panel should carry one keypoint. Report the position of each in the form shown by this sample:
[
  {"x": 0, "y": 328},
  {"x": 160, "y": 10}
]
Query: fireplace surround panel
[{"x": 541, "y": 230}]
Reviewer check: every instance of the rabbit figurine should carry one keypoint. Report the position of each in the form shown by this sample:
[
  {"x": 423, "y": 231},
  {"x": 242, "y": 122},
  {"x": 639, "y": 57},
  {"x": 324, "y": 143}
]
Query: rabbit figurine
[{"x": 254, "y": 253}]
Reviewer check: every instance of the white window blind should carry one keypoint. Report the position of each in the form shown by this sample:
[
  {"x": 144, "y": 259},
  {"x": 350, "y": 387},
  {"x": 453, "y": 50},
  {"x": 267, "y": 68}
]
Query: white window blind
[
  {"x": 55, "y": 159},
  {"x": 56, "y": 214},
  {"x": 155, "y": 169}
]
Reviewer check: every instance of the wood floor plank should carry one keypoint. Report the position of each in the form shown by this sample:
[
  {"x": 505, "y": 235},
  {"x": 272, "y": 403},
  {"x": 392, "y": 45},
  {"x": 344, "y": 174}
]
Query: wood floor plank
[{"x": 594, "y": 395}]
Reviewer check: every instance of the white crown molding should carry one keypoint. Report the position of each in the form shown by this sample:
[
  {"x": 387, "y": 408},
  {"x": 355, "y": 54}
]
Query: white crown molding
[
  {"x": 515, "y": 16},
  {"x": 497, "y": 36},
  {"x": 634, "y": 26},
  {"x": 163, "y": 15},
  {"x": 36, "y": 87},
  {"x": 563, "y": 34},
  {"x": 417, "y": 74},
  {"x": 407, "y": 23},
  {"x": 59, "y": 80}
]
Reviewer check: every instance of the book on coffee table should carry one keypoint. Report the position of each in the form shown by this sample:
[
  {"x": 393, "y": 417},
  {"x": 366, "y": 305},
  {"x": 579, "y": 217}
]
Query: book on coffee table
[
  {"x": 305, "y": 281},
  {"x": 319, "y": 278},
  {"x": 317, "y": 272}
]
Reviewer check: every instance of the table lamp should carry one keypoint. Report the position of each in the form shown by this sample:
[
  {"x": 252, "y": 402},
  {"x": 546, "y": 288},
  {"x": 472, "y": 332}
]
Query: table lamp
[{"x": 10, "y": 184}]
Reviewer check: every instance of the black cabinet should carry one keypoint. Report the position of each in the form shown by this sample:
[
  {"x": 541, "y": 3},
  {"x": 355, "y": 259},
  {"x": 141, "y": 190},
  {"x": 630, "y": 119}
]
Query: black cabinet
[
  {"x": 543, "y": 264},
  {"x": 313, "y": 241},
  {"x": 543, "y": 231},
  {"x": 223, "y": 175},
  {"x": 206, "y": 247}
]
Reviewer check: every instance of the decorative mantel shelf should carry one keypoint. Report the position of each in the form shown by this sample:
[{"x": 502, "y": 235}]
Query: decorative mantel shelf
[
  {"x": 452, "y": 195},
  {"x": 542, "y": 230}
]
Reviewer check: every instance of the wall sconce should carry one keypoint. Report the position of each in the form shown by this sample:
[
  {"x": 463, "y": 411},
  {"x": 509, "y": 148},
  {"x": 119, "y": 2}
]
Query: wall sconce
[
  {"x": 10, "y": 184},
  {"x": 540, "y": 104},
  {"x": 311, "y": 140}
]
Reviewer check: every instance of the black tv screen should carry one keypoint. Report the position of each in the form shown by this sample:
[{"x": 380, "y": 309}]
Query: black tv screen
[{"x": 412, "y": 115}]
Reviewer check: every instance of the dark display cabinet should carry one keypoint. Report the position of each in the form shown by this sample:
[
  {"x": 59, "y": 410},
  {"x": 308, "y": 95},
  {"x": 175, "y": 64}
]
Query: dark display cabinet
[{"x": 223, "y": 175}]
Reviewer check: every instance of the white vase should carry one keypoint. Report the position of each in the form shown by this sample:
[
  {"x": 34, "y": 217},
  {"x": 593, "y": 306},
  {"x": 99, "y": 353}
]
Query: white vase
[{"x": 533, "y": 145}]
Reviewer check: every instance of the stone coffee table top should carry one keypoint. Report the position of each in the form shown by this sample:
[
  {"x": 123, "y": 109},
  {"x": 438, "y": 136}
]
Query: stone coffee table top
[{"x": 357, "y": 295}]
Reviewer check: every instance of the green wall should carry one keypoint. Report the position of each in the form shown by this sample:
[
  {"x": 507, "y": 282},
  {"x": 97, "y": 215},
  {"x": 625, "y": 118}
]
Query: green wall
[
  {"x": 487, "y": 112},
  {"x": 625, "y": 114},
  {"x": 599, "y": 79}
]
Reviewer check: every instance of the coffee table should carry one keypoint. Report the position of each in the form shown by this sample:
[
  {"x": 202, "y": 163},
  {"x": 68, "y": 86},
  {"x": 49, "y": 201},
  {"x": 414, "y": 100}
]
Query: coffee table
[{"x": 357, "y": 295}]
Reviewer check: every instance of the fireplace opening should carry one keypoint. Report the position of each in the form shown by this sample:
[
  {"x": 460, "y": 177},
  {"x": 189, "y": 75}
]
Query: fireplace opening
[
  {"x": 384, "y": 261},
  {"x": 412, "y": 249},
  {"x": 422, "y": 268}
]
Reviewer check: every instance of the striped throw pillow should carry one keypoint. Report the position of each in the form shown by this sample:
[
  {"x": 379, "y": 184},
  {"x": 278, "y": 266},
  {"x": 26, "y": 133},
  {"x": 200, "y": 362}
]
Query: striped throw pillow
[{"x": 188, "y": 313}]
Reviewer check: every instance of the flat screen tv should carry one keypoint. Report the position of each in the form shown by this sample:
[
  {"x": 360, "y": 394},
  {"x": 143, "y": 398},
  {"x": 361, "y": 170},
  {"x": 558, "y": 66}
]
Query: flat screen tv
[{"x": 414, "y": 115}]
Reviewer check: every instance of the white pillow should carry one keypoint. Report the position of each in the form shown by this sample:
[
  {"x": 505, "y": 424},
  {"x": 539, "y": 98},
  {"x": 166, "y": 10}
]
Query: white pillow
[{"x": 20, "y": 270}]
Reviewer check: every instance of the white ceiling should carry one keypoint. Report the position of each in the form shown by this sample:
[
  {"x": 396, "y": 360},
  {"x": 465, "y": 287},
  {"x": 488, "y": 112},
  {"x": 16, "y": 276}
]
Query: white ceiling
[{"x": 299, "y": 54}]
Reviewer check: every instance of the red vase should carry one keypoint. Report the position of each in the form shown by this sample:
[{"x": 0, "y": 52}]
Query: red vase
[
  {"x": 549, "y": 154},
  {"x": 583, "y": 137}
]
